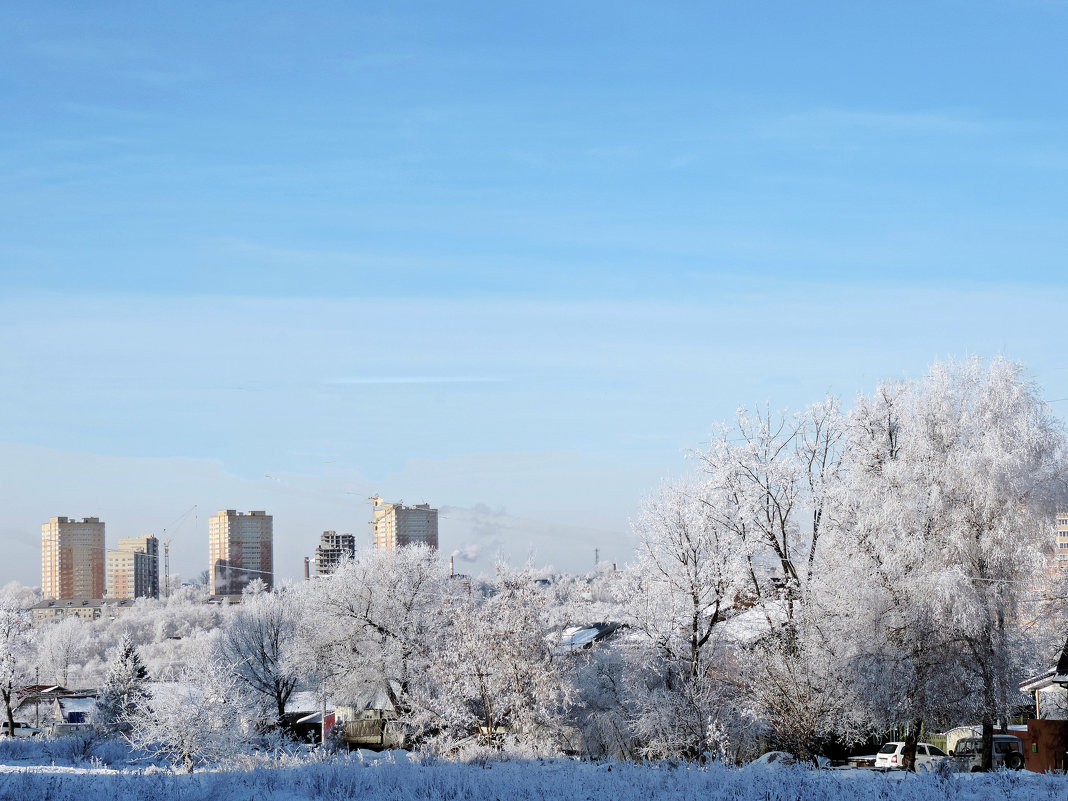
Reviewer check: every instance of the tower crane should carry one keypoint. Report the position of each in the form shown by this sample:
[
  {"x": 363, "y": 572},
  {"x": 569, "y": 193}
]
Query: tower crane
[{"x": 167, "y": 547}]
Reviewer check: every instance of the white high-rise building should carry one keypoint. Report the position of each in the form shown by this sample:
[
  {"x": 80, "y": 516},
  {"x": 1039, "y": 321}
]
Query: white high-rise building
[
  {"x": 133, "y": 568},
  {"x": 394, "y": 525}
]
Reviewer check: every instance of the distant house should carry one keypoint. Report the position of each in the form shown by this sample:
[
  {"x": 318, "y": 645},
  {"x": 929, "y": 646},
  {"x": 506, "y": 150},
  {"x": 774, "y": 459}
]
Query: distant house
[
  {"x": 1048, "y": 689},
  {"x": 38, "y": 701},
  {"x": 368, "y": 716},
  {"x": 76, "y": 708},
  {"x": 1046, "y": 739},
  {"x": 304, "y": 716},
  {"x": 52, "y": 610}
]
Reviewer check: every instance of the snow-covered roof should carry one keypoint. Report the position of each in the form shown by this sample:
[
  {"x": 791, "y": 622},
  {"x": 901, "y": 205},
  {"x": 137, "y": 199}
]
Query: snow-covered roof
[
  {"x": 68, "y": 705},
  {"x": 1055, "y": 677},
  {"x": 374, "y": 697},
  {"x": 976, "y": 729},
  {"x": 1052, "y": 679},
  {"x": 307, "y": 701},
  {"x": 577, "y": 637},
  {"x": 751, "y": 624}
]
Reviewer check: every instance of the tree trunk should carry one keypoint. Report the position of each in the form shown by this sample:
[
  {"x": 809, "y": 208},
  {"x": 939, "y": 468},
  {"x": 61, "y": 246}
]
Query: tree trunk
[
  {"x": 10, "y": 713},
  {"x": 988, "y": 743},
  {"x": 908, "y": 753},
  {"x": 281, "y": 702}
]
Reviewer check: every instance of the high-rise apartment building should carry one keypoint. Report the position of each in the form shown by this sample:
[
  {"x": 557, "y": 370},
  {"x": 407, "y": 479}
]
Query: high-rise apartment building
[
  {"x": 394, "y": 525},
  {"x": 1062, "y": 539},
  {"x": 133, "y": 568},
  {"x": 332, "y": 550},
  {"x": 241, "y": 548},
  {"x": 72, "y": 558}
]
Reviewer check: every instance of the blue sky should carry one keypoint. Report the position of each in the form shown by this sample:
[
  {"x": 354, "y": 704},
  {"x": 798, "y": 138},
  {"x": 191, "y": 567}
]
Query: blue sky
[{"x": 511, "y": 261}]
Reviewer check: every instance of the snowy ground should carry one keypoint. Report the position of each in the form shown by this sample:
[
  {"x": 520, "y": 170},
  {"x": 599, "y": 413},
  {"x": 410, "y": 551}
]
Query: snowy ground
[{"x": 26, "y": 773}]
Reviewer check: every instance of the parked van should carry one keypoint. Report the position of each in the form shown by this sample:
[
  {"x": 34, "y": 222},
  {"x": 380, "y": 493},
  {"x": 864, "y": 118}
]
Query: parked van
[{"x": 1008, "y": 753}]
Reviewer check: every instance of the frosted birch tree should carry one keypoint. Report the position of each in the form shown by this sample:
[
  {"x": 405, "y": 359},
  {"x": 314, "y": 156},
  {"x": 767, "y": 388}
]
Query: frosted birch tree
[
  {"x": 689, "y": 571},
  {"x": 260, "y": 641},
  {"x": 370, "y": 623},
  {"x": 771, "y": 482},
  {"x": 16, "y": 649},
  {"x": 493, "y": 675},
  {"x": 62, "y": 646},
  {"x": 201, "y": 717},
  {"x": 770, "y": 470},
  {"x": 951, "y": 483}
]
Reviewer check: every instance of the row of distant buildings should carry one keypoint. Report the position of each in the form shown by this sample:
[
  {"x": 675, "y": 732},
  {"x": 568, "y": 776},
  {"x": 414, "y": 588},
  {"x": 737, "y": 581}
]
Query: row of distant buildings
[
  {"x": 393, "y": 525},
  {"x": 79, "y": 574},
  {"x": 75, "y": 564}
]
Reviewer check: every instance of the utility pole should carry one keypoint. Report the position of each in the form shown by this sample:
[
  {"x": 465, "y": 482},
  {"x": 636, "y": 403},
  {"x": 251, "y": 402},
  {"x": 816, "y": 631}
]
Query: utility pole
[{"x": 322, "y": 722}]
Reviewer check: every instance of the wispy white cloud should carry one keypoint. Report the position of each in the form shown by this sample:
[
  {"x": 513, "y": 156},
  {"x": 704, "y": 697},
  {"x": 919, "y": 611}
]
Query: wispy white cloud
[
  {"x": 819, "y": 124},
  {"x": 360, "y": 380}
]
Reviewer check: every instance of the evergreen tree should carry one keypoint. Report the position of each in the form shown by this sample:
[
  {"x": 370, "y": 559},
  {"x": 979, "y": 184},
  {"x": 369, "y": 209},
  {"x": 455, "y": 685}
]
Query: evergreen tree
[{"x": 123, "y": 696}]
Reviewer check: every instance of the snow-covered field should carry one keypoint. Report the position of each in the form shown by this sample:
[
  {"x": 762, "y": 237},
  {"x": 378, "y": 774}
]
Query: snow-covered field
[{"x": 27, "y": 772}]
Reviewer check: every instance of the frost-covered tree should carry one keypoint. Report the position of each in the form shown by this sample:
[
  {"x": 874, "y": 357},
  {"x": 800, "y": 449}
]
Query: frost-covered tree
[
  {"x": 26, "y": 596},
  {"x": 1000, "y": 469},
  {"x": 765, "y": 473},
  {"x": 600, "y": 710},
  {"x": 259, "y": 642},
  {"x": 16, "y": 649},
  {"x": 493, "y": 674},
  {"x": 772, "y": 481},
  {"x": 123, "y": 696},
  {"x": 879, "y": 598},
  {"x": 689, "y": 573},
  {"x": 951, "y": 482},
  {"x": 201, "y": 717},
  {"x": 62, "y": 646},
  {"x": 370, "y": 624}
]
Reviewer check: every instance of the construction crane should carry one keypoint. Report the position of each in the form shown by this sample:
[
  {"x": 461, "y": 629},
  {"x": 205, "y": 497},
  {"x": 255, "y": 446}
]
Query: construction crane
[{"x": 178, "y": 521}]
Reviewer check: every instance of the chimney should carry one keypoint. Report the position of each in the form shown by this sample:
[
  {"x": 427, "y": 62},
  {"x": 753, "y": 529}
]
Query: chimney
[
  {"x": 306, "y": 575},
  {"x": 452, "y": 567}
]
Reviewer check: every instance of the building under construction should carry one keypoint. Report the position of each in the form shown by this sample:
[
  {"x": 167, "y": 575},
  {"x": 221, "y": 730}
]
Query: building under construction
[{"x": 332, "y": 550}]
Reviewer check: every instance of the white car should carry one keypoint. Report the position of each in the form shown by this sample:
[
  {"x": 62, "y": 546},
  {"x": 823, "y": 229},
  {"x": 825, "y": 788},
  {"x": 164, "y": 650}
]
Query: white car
[
  {"x": 891, "y": 756},
  {"x": 21, "y": 729}
]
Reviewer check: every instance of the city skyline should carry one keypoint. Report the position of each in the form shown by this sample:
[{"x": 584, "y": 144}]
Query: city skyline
[{"x": 516, "y": 264}]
